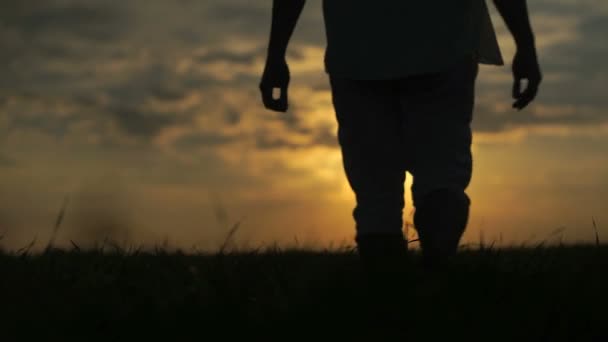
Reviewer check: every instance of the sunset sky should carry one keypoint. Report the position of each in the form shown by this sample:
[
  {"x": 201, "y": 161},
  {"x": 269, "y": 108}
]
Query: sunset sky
[{"x": 146, "y": 113}]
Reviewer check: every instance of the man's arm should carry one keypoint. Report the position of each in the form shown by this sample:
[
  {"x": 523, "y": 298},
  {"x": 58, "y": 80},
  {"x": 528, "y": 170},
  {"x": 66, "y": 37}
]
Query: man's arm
[
  {"x": 285, "y": 15},
  {"x": 525, "y": 62}
]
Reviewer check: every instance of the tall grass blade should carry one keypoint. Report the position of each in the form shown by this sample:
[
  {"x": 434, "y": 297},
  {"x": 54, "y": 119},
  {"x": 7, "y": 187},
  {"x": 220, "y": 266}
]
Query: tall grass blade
[
  {"x": 76, "y": 247},
  {"x": 229, "y": 237},
  {"x": 597, "y": 235},
  {"x": 25, "y": 250},
  {"x": 58, "y": 222}
]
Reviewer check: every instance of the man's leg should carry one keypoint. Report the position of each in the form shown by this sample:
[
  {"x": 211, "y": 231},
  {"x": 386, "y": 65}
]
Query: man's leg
[
  {"x": 369, "y": 120},
  {"x": 438, "y": 137}
]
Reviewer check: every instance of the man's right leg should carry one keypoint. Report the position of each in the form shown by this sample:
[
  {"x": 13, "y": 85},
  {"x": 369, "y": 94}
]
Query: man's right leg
[{"x": 370, "y": 136}]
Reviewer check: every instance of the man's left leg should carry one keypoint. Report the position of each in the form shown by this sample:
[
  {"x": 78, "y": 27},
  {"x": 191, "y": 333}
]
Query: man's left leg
[{"x": 438, "y": 136}]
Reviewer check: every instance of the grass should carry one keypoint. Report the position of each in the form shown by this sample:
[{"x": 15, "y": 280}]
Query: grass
[
  {"x": 541, "y": 294},
  {"x": 538, "y": 293}
]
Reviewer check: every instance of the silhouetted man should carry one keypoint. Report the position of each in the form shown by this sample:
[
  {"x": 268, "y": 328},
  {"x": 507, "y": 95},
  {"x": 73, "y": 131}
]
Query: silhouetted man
[{"x": 402, "y": 75}]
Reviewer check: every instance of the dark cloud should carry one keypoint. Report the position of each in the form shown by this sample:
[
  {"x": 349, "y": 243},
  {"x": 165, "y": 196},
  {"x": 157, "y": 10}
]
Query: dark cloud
[
  {"x": 204, "y": 139},
  {"x": 292, "y": 120},
  {"x": 240, "y": 18},
  {"x": 321, "y": 86},
  {"x": 34, "y": 33},
  {"x": 584, "y": 63},
  {"x": 55, "y": 46},
  {"x": 322, "y": 136},
  {"x": 52, "y": 49},
  {"x": 488, "y": 120},
  {"x": 124, "y": 101},
  {"x": 6, "y": 161},
  {"x": 51, "y": 123},
  {"x": 157, "y": 80},
  {"x": 265, "y": 142},
  {"x": 138, "y": 123},
  {"x": 248, "y": 19},
  {"x": 91, "y": 20},
  {"x": 232, "y": 116},
  {"x": 573, "y": 89},
  {"x": 566, "y": 7},
  {"x": 245, "y": 58},
  {"x": 161, "y": 81},
  {"x": 325, "y": 136}
]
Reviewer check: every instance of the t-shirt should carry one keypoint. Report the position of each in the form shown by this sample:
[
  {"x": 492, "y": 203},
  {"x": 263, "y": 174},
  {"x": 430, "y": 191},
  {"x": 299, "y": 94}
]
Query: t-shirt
[{"x": 384, "y": 39}]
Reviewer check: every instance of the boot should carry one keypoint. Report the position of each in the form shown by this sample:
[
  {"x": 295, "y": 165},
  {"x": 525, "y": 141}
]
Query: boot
[
  {"x": 383, "y": 261},
  {"x": 375, "y": 250},
  {"x": 441, "y": 220}
]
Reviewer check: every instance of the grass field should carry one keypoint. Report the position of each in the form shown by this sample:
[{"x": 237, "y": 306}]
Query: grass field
[{"x": 538, "y": 294}]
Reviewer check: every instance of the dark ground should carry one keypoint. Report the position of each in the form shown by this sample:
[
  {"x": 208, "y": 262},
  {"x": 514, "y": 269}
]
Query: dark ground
[{"x": 536, "y": 294}]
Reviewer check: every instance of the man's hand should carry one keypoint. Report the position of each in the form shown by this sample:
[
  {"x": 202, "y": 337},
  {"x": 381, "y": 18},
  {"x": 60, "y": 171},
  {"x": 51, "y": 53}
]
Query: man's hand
[
  {"x": 285, "y": 14},
  {"x": 525, "y": 66},
  {"x": 525, "y": 63},
  {"x": 276, "y": 75}
]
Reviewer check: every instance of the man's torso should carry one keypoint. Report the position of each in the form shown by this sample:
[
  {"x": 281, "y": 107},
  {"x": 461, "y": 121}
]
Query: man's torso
[{"x": 386, "y": 39}]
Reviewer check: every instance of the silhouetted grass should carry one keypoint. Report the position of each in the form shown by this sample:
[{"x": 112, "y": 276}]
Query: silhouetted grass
[{"x": 540, "y": 294}]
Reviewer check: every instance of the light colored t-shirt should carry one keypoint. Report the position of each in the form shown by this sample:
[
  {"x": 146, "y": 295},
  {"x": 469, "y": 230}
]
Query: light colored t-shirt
[{"x": 384, "y": 39}]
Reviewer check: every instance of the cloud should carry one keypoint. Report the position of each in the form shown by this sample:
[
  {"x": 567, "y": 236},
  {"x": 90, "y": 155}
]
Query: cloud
[
  {"x": 232, "y": 116},
  {"x": 203, "y": 139},
  {"x": 90, "y": 63},
  {"x": 325, "y": 136},
  {"x": 264, "y": 142},
  {"x": 572, "y": 60},
  {"x": 321, "y": 136},
  {"x": 99, "y": 61},
  {"x": 140, "y": 124},
  {"x": 42, "y": 32},
  {"x": 6, "y": 161},
  {"x": 293, "y": 121},
  {"x": 230, "y": 57},
  {"x": 251, "y": 19},
  {"x": 93, "y": 20},
  {"x": 488, "y": 119}
]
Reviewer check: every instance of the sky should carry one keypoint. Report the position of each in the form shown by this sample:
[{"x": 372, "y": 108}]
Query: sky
[{"x": 146, "y": 115}]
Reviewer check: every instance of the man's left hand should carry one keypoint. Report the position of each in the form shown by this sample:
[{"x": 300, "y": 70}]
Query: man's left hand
[{"x": 525, "y": 66}]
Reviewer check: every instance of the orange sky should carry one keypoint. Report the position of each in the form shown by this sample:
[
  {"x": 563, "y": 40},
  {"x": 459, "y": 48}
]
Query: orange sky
[{"x": 146, "y": 114}]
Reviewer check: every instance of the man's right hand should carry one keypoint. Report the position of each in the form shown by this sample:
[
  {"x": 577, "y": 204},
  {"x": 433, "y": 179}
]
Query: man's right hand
[{"x": 276, "y": 75}]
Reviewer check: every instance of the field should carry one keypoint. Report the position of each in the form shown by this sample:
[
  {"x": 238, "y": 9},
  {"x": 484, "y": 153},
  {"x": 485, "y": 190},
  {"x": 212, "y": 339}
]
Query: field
[{"x": 537, "y": 293}]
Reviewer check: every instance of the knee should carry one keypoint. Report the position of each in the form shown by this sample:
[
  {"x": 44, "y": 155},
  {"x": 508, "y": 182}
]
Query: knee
[
  {"x": 453, "y": 194},
  {"x": 455, "y": 181}
]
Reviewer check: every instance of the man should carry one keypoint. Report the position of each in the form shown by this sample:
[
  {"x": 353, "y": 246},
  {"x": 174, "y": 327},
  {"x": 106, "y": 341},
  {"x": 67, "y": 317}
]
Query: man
[{"x": 402, "y": 76}]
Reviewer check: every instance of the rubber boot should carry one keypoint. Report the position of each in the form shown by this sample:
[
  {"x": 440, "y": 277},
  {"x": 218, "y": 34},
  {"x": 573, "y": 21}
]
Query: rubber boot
[{"x": 441, "y": 220}]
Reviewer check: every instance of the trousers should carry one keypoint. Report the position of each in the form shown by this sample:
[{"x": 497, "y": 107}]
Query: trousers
[{"x": 419, "y": 123}]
